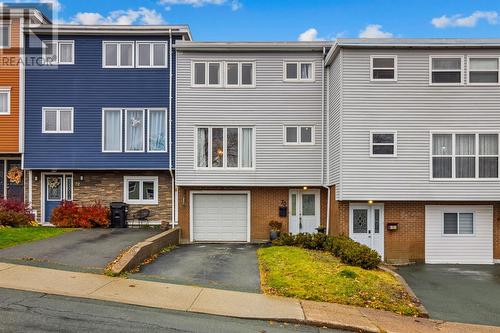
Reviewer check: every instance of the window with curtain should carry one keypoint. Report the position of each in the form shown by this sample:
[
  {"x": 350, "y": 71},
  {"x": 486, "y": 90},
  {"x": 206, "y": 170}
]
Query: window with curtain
[
  {"x": 4, "y": 101},
  {"x": 224, "y": 147},
  {"x": 157, "y": 130},
  {"x": 151, "y": 54},
  {"x": 298, "y": 71},
  {"x": 458, "y": 223},
  {"x": 465, "y": 155},
  {"x": 118, "y": 54},
  {"x": 59, "y": 52},
  {"x": 57, "y": 120},
  {"x": 483, "y": 70},
  {"x": 112, "y": 130},
  {"x": 141, "y": 190},
  {"x": 4, "y": 35},
  {"x": 134, "y": 139},
  {"x": 446, "y": 70}
]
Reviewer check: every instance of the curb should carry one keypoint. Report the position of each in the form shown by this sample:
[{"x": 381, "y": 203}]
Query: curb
[
  {"x": 143, "y": 250},
  {"x": 421, "y": 307}
]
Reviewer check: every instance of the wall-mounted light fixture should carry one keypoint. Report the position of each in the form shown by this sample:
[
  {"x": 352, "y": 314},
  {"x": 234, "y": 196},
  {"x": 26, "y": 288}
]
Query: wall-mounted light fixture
[
  {"x": 370, "y": 202},
  {"x": 81, "y": 178},
  {"x": 305, "y": 188}
]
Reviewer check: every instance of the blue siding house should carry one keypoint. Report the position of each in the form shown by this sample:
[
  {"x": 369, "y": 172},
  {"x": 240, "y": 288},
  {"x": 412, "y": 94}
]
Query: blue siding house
[{"x": 100, "y": 116}]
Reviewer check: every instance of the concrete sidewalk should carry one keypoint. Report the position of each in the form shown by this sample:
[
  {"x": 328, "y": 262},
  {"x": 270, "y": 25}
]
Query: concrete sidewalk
[{"x": 218, "y": 302}]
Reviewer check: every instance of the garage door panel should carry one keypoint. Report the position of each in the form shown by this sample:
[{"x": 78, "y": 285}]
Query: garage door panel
[
  {"x": 220, "y": 217},
  {"x": 459, "y": 249}
]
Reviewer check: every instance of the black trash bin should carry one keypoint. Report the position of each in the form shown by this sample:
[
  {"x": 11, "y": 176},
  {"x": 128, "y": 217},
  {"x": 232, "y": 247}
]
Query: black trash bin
[{"x": 119, "y": 211}]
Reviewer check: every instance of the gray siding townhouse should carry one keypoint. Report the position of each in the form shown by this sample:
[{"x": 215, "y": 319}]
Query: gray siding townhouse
[
  {"x": 250, "y": 142},
  {"x": 413, "y": 147}
]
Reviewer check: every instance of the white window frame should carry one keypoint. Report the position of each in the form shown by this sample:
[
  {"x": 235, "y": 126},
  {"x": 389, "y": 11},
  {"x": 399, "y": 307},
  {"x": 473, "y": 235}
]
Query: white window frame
[
  {"x": 9, "y": 26},
  {"x": 58, "y": 119},
  {"x": 104, "y": 110},
  {"x": 458, "y": 212},
  {"x": 207, "y": 82},
  {"x": 6, "y": 90},
  {"x": 240, "y": 72},
  {"x": 299, "y": 63},
  {"x": 224, "y": 147},
  {"x": 395, "y": 143},
  {"x": 395, "y": 68},
  {"x": 118, "y": 53},
  {"x": 469, "y": 70},
  {"x": 453, "y": 156},
  {"x": 57, "y": 46},
  {"x": 166, "y": 130},
  {"x": 299, "y": 135},
  {"x": 151, "y": 55},
  {"x": 462, "y": 71},
  {"x": 143, "y": 131},
  {"x": 141, "y": 180}
]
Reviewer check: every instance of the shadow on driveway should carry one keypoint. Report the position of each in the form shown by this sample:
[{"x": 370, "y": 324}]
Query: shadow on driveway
[
  {"x": 223, "y": 266},
  {"x": 82, "y": 250},
  {"x": 462, "y": 293}
]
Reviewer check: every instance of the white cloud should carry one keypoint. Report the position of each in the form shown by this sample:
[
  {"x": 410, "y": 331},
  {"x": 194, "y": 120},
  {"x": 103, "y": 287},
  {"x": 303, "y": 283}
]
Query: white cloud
[
  {"x": 374, "y": 31},
  {"x": 234, "y": 4},
  {"x": 141, "y": 16},
  {"x": 309, "y": 35},
  {"x": 465, "y": 21}
]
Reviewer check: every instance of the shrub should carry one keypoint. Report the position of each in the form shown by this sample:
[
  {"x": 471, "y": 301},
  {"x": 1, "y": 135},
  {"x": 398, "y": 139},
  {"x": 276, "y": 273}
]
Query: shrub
[
  {"x": 14, "y": 219},
  {"x": 275, "y": 225},
  {"x": 71, "y": 215},
  {"x": 348, "y": 251}
]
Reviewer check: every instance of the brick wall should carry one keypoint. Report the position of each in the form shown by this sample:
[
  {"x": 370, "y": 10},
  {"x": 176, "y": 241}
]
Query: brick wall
[
  {"x": 407, "y": 243},
  {"x": 107, "y": 187},
  {"x": 264, "y": 203}
]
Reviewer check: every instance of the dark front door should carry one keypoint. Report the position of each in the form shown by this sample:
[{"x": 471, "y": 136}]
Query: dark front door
[{"x": 58, "y": 188}]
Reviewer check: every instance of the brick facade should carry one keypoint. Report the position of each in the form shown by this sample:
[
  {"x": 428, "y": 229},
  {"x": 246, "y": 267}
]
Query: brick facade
[
  {"x": 264, "y": 202},
  {"x": 107, "y": 187},
  {"x": 408, "y": 242}
]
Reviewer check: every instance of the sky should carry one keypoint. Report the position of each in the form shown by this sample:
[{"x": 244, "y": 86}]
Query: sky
[{"x": 291, "y": 20}]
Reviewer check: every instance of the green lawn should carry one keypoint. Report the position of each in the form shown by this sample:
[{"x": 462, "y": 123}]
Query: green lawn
[
  {"x": 319, "y": 276},
  {"x": 15, "y": 236}
]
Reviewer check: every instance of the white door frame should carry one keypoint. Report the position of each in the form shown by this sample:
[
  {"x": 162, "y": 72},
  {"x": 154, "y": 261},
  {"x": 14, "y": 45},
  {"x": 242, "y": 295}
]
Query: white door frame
[
  {"x": 42, "y": 191},
  {"x": 191, "y": 210},
  {"x": 371, "y": 220},
  {"x": 298, "y": 204}
]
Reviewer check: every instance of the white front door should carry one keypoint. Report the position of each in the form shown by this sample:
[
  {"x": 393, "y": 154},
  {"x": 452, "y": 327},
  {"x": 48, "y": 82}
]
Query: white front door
[
  {"x": 366, "y": 226},
  {"x": 305, "y": 212}
]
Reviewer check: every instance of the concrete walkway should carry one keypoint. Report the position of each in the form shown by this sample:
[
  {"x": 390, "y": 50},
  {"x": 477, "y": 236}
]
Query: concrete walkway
[{"x": 218, "y": 302}]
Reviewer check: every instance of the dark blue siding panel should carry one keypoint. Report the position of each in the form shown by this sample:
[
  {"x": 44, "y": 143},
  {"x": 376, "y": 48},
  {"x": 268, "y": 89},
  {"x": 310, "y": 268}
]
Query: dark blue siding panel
[{"x": 88, "y": 88}]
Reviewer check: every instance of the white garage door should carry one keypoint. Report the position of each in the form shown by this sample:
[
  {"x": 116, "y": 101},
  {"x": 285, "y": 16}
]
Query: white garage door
[
  {"x": 459, "y": 234},
  {"x": 220, "y": 217}
]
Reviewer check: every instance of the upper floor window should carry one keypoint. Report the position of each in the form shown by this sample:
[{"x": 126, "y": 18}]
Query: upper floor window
[
  {"x": 298, "y": 71},
  {"x": 118, "y": 54},
  {"x": 446, "y": 70},
  {"x": 207, "y": 74},
  {"x": 59, "y": 52},
  {"x": 4, "y": 101},
  {"x": 140, "y": 190},
  {"x": 383, "y": 144},
  {"x": 112, "y": 130},
  {"x": 151, "y": 54},
  {"x": 157, "y": 130},
  {"x": 4, "y": 35},
  {"x": 383, "y": 68},
  {"x": 299, "y": 135},
  {"x": 240, "y": 74},
  {"x": 57, "y": 120},
  {"x": 225, "y": 147},
  {"x": 134, "y": 130},
  {"x": 483, "y": 70},
  {"x": 465, "y": 155}
]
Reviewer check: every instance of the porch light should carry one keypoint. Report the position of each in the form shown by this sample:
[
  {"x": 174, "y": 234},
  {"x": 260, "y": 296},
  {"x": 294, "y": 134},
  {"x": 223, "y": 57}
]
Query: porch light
[
  {"x": 370, "y": 202},
  {"x": 81, "y": 178},
  {"x": 305, "y": 188}
]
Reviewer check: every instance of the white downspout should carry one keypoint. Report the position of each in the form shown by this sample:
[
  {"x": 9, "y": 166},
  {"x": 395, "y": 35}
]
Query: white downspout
[
  {"x": 324, "y": 129},
  {"x": 172, "y": 178}
]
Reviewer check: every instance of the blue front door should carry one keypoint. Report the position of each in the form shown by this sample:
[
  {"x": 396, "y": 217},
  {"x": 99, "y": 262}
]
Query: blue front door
[{"x": 57, "y": 189}]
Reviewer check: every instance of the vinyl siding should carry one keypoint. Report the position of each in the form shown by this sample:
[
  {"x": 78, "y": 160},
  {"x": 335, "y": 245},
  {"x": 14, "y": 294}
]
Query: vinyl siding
[
  {"x": 413, "y": 108},
  {"x": 459, "y": 249},
  {"x": 334, "y": 122},
  {"x": 270, "y": 105},
  {"x": 88, "y": 88}
]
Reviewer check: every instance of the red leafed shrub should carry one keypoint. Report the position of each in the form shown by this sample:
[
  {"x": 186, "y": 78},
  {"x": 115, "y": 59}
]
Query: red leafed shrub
[
  {"x": 15, "y": 213},
  {"x": 71, "y": 215},
  {"x": 9, "y": 205}
]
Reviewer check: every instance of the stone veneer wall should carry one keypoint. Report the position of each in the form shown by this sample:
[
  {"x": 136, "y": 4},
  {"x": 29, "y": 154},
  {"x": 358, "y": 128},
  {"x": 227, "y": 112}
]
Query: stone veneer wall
[{"x": 107, "y": 187}]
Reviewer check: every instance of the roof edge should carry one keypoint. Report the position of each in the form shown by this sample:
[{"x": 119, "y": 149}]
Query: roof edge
[{"x": 251, "y": 46}]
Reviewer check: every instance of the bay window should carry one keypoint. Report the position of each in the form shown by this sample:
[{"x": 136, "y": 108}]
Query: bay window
[
  {"x": 465, "y": 155},
  {"x": 224, "y": 147}
]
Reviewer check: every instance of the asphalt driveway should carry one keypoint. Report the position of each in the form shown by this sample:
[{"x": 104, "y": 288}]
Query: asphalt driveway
[
  {"x": 463, "y": 293},
  {"x": 81, "y": 250},
  {"x": 223, "y": 266}
]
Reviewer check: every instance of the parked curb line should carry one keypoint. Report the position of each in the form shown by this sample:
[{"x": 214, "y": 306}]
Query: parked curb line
[{"x": 143, "y": 250}]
